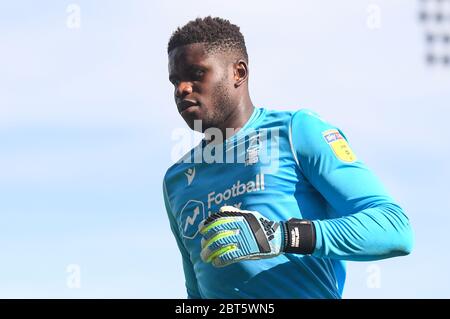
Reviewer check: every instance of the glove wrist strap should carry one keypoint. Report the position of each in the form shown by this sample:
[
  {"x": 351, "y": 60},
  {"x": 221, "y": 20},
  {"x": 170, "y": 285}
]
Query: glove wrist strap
[{"x": 299, "y": 236}]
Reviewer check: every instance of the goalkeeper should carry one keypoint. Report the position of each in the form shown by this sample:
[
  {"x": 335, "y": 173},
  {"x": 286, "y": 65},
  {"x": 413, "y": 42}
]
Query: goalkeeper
[{"x": 281, "y": 218}]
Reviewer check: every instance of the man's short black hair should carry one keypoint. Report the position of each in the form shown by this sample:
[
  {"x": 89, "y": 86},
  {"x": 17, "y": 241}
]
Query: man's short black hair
[{"x": 216, "y": 34}]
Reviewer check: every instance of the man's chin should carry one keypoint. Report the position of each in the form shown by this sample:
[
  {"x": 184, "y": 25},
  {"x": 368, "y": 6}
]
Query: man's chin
[{"x": 195, "y": 123}]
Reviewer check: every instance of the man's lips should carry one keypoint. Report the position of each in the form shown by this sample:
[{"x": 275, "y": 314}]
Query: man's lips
[{"x": 185, "y": 104}]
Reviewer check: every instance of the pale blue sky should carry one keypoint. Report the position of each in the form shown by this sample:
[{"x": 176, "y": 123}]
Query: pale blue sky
[{"x": 87, "y": 117}]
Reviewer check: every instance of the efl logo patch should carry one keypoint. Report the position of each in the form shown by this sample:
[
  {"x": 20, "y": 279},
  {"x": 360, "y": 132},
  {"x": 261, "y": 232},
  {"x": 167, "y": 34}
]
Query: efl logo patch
[{"x": 339, "y": 146}]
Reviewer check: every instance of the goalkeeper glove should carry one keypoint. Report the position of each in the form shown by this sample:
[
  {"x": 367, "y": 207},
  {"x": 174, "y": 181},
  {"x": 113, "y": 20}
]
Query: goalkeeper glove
[{"x": 233, "y": 235}]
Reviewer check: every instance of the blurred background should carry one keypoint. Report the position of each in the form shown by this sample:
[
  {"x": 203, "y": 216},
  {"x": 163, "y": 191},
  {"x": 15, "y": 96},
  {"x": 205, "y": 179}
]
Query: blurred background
[{"x": 88, "y": 127}]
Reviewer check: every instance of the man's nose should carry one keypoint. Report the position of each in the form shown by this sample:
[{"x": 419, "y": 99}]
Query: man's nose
[{"x": 183, "y": 89}]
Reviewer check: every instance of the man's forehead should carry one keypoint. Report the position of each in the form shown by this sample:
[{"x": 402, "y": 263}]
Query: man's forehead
[
  {"x": 188, "y": 54},
  {"x": 194, "y": 54}
]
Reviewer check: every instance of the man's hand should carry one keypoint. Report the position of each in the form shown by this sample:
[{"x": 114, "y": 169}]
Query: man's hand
[{"x": 233, "y": 235}]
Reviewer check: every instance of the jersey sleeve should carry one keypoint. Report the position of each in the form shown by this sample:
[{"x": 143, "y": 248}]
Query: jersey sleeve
[
  {"x": 365, "y": 223},
  {"x": 189, "y": 274}
]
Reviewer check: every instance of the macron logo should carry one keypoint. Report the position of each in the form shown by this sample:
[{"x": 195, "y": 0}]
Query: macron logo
[
  {"x": 191, "y": 220},
  {"x": 190, "y": 173}
]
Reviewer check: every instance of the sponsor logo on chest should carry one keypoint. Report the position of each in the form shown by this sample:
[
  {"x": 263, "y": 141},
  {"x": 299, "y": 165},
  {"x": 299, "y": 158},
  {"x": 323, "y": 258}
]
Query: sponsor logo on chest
[{"x": 237, "y": 189}]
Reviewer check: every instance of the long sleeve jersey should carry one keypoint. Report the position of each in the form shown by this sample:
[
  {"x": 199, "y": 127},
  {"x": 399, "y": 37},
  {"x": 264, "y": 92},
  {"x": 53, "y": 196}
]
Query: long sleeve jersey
[{"x": 284, "y": 164}]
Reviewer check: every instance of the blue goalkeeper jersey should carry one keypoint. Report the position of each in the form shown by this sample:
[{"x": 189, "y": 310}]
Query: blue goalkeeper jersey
[{"x": 284, "y": 164}]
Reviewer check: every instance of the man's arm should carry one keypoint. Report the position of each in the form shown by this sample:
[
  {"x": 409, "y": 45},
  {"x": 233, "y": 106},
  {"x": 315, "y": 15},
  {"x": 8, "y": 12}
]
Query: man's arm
[
  {"x": 191, "y": 280},
  {"x": 364, "y": 224},
  {"x": 369, "y": 225}
]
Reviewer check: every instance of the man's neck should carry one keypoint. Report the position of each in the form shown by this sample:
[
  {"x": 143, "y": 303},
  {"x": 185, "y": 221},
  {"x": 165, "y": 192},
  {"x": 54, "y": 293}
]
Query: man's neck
[
  {"x": 237, "y": 119},
  {"x": 228, "y": 130}
]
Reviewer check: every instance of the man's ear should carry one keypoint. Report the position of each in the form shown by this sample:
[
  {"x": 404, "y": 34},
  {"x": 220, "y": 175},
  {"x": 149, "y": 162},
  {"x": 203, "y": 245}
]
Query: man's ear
[{"x": 240, "y": 72}]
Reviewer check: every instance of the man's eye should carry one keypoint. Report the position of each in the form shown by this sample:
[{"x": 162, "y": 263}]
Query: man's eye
[{"x": 198, "y": 74}]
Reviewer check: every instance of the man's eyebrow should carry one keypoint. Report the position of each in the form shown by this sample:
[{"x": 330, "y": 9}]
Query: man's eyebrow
[
  {"x": 195, "y": 66},
  {"x": 189, "y": 68}
]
